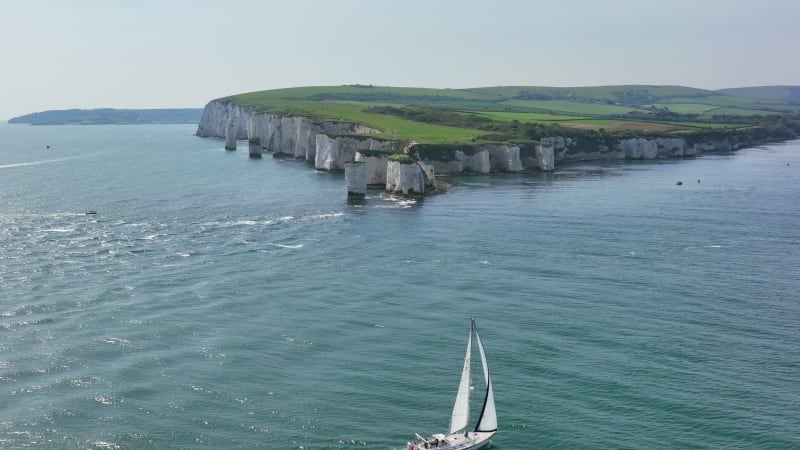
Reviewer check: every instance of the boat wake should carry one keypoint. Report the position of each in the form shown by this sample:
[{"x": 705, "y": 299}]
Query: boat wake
[{"x": 37, "y": 163}]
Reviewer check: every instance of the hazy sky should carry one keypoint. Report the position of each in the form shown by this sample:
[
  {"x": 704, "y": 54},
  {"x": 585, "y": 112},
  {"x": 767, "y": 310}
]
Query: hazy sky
[{"x": 183, "y": 53}]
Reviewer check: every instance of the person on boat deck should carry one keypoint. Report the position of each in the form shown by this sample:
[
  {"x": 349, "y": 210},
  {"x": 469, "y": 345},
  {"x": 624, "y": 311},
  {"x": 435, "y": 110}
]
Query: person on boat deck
[{"x": 431, "y": 444}]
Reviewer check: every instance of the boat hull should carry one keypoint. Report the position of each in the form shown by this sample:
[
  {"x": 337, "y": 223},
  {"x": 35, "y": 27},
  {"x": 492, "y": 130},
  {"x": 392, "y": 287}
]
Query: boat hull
[{"x": 459, "y": 441}]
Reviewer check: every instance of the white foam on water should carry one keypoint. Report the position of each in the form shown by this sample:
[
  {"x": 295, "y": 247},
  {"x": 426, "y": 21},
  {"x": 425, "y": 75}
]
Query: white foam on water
[
  {"x": 286, "y": 245},
  {"x": 36, "y": 163},
  {"x": 323, "y": 216},
  {"x": 58, "y": 230}
]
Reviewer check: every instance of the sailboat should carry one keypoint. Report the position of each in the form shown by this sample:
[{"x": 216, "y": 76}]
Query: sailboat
[{"x": 459, "y": 436}]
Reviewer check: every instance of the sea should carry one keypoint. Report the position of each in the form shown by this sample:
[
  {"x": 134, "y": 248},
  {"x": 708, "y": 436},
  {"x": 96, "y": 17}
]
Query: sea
[{"x": 216, "y": 301}]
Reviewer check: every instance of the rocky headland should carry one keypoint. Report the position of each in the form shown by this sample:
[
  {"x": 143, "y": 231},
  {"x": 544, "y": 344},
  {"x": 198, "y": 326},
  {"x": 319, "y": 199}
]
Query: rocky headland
[{"x": 331, "y": 144}]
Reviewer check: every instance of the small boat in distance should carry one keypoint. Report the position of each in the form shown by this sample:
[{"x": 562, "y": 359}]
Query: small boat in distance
[
  {"x": 458, "y": 436},
  {"x": 91, "y": 213}
]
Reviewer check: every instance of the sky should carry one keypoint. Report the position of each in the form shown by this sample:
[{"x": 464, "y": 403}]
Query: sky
[{"x": 185, "y": 53}]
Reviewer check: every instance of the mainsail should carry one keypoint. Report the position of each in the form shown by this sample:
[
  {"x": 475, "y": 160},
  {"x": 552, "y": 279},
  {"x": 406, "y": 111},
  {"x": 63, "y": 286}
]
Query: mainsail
[
  {"x": 487, "y": 421},
  {"x": 488, "y": 418},
  {"x": 460, "y": 417}
]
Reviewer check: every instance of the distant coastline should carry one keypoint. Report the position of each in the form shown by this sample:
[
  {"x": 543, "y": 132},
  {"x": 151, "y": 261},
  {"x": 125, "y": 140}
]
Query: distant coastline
[{"x": 110, "y": 116}]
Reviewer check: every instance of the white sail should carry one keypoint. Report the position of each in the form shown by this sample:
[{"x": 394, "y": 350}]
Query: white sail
[
  {"x": 460, "y": 417},
  {"x": 488, "y": 418},
  {"x": 458, "y": 436}
]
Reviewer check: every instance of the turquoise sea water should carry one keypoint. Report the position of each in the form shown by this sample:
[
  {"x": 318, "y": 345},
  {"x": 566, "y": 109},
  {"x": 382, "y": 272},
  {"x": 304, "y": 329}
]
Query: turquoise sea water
[{"x": 221, "y": 302}]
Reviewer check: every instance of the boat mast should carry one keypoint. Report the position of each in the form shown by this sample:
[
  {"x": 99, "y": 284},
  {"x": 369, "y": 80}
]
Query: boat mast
[{"x": 469, "y": 392}]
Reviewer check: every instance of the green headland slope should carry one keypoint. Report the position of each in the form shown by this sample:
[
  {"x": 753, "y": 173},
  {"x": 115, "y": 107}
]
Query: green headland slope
[{"x": 518, "y": 113}]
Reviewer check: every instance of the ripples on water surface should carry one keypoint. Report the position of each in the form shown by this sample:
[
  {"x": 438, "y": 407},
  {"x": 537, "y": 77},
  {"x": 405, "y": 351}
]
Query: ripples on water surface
[{"x": 221, "y": 302}]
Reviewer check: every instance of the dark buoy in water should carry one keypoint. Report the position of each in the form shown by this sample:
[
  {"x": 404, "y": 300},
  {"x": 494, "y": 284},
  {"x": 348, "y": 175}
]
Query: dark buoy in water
[
  {"x": 698, "y": 181},
  {"x": 679, "y": 183},
  {"x": 48, "y": 146}
]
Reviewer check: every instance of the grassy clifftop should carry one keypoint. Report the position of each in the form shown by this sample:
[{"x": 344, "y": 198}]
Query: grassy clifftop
[{"x": 509, "y": 113}]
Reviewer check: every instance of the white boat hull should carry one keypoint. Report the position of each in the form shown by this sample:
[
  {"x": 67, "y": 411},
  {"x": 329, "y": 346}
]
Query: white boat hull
[{"x": 472, "y": 441}]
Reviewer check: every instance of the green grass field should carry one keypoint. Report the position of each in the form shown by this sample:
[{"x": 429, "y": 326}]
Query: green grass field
[
  {"x": 688, "y": 108},
  {"x": 596, "y": 93},
  {"x": 505, "y": 116},
  {"x": 566, "y": 106},
  {"x": 710, "y": 126}
]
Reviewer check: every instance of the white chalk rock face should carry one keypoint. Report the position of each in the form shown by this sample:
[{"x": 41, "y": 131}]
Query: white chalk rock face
[
  {"x": 254, "y": 147},
  {"x": 294, "y": 137},
  {"x": 376, "y": 167},
  {"x": 724, "y": 144},
  {"x": 565, "y": 149},
  {"x": 230, "y": 135},
  {"x": 504, "y": 158},
  {"x": 545, "y": 157},
  {"x": 480, "y": 162},
  {"x": 355, "y": 177},
  {"x": 461, "y": 162},
  {"x": 451, "y": 167},
  {"x": 670, "y": 147},
  {"x": 428, "y": 171},
  {"x": 639, "y": 148},
  {"x": 333, "y": 152},
  {"x": 559, "y": 143},
  {"x": 216, "y": 117},
  {"x": 405, "y": 178}
]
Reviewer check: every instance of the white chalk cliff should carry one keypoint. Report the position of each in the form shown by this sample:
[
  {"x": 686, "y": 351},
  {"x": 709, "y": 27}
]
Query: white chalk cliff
[
  {"x": 330, "y": 144},
  {"x": 355, "y": 177},
  {"x": 504, "y": 158},
  {"x": 333, "y": 152},
  {"x": 405, "y": 178},
  {"x": 294, "y": 137},
  {"x": 462, "y": 162},
  {"x": 375, "y": 166}
]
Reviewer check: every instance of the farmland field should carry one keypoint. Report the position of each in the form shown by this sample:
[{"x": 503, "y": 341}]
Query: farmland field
[
  {"x": 623, "y": 125},
  {"x": 565, "y": 106}
]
